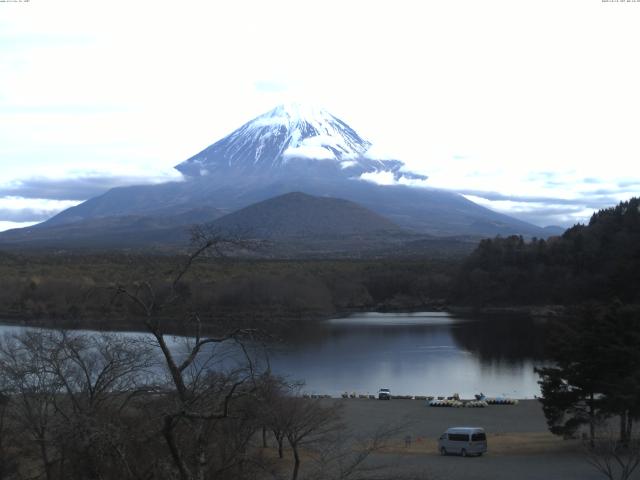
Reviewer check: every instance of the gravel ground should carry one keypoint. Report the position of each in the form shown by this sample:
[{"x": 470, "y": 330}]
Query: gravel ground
[
  {"x": 520, "y": 467},
  {"x": 421, "y": 420},
  {"x": 518, "y": 441}
]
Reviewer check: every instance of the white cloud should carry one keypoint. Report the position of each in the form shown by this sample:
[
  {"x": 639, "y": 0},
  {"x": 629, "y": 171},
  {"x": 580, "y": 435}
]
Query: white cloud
[
  {"x": 476, "y": 95},
  {"x": 15, "y": 210},
  {"x": 19, "y": 212},
  {"x": 35, "y": 204},
  {"x": 380, "y": 177},
  {"x": 4, "y": 225},
  {"x": 377, "y": 152},
  {"x": 539, "y": 213},
  {"x": 312, "y": 152},
  {"x": 348, "y": 163}
]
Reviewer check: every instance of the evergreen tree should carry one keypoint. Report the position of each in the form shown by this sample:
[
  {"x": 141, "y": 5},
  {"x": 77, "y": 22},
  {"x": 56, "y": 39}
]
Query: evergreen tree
[
  {"x": 572, "y": 389},
  {"x": 598, "y": 261},
  {"x": 596, "y": 375},
  {"x": 620, "y": 332}
]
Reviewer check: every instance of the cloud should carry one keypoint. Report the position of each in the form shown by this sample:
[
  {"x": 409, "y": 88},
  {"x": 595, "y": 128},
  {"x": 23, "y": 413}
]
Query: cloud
[
  {"x": 376, "y": 152},
  {"x": 63, "y": 96},
  {"x": 17, "y": 209},
  {"x": 380, "y": 177},
  {"x": 271, "y": 86},
  {"x": 629, "y": 183},
  {"x": 596, "y": 199},
  {"x": 312, "y": 152},
  {"x": 541, "y": 196},
  {"x": 25, "y": 215},
  {"x": 544, "y": 211},
  {"x": 537, "y": 213},
  {"x": 591, "y": 180},
  {"x": 10, "y": 225},
  {"x": 78, "y": 188}
]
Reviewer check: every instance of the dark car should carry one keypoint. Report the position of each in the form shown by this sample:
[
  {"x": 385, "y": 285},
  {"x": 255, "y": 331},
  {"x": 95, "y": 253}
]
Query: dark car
[{"x": 384, "y": 394}]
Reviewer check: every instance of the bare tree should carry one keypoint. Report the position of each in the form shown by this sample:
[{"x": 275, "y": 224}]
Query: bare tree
[
  {"x": 8, "y": 466},
  {"x": 273, "y": 412},
  {"x": 66, "y": 392},
  {"x": 198, "y": 394},
  {"x": 100, "y": 406},
  {"x": 308, "y": 421},
  {"x": 100, "y": 374},
  {"x": 32, "y": 390},
  {"x": 612, "y": 459},
  {"x": 345, "y": 455},
  {"x": 99, "y": 369}
]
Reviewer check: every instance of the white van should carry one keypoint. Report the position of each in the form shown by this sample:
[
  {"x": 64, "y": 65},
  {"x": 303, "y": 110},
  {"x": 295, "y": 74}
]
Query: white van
[{"x": 464, "y": 441}]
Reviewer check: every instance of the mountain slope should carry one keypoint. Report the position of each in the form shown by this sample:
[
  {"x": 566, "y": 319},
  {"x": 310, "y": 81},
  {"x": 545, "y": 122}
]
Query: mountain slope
[
  {"x": 293, "y": 225},
  {"x": 291, "y": 149},
  {"x": 422, "y": 210},
  {"x": 304, "y": 216},
  {"x": 117, "y": 231}
]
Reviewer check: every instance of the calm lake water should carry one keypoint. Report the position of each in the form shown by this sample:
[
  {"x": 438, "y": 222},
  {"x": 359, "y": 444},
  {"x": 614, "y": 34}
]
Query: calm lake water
[{"x": 428, "y": 353}]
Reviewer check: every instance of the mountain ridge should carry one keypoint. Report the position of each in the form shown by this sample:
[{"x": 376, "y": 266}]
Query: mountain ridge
[
  {"x": 292, "y": 149},
  {"x": 298, "y": 214}
]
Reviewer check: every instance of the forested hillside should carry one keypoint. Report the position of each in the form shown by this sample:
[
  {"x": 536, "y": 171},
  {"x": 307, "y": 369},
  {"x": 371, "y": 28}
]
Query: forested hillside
[{"x": 598, "y": 261}]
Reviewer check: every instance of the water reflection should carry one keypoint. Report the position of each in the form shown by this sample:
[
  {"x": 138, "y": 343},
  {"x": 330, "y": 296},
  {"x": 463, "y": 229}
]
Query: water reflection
[
  {"x": 419, "y": 353},
  {"x": 415, "y": 353},
  {"x": 510, "y": 339}
]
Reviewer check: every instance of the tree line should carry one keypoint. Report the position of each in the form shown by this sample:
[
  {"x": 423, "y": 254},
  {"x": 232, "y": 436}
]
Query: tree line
[
  {"x": 76, "y": 291},
  {"x": 598, "y": 261}
]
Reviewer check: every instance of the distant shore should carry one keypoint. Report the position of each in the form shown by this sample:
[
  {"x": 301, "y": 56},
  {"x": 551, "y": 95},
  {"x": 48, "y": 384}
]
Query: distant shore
[{"x": 278, "y": 320}]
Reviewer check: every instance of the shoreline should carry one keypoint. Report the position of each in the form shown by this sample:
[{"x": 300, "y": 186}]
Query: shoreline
[{"x": 284, "y": 319}]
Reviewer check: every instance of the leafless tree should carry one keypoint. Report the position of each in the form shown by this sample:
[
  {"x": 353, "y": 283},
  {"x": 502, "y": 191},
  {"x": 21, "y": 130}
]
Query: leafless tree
[
  {"x": 344, "y": 455},
  {"x": 273, "y": 413},
  {"x": 8, "y": 466},
  {"x": 308, "y": 421},
  {"x": 163, "y": 407},
  {"x": 613, "y": 458},
  {"x": 65, "y": 392},
  {"x": 101, "y": 374},
  {"x": 33, "y": 391},
  {"x": 198, "y": 396}
]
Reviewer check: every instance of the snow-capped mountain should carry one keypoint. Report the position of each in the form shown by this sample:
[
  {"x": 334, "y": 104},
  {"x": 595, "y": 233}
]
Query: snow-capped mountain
[
  {"x": 292, "y": 148},
  {"x": 286, "y": 139}
]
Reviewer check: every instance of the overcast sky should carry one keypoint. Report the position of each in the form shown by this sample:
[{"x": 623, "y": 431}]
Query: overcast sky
[{"x": 528, "y": 107}]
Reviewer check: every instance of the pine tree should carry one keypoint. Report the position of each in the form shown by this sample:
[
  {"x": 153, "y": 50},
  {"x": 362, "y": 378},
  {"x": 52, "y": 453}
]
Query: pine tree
[{"x": 596, "y": 374}]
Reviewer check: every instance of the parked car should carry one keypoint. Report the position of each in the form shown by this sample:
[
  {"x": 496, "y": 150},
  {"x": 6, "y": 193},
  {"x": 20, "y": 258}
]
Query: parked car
[
  {"x": 384, "y": 394},
  {"x": 463, "y": 441}
]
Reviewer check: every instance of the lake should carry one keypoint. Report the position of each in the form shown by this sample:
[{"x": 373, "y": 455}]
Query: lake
[{"x": 425, "y": 353}]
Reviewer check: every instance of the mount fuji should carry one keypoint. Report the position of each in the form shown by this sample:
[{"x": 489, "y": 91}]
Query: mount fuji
[
  {"x": 292, "y": 148},
  {"x": 290, "y": 139}
]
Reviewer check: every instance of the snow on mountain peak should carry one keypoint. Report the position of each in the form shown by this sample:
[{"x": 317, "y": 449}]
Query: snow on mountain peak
[
  {"x": 312, "y": 133},
  {"x": 293, "y": 113},
  {"x": 282, "y": 137}
]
